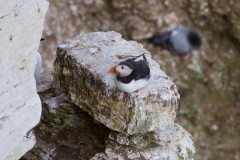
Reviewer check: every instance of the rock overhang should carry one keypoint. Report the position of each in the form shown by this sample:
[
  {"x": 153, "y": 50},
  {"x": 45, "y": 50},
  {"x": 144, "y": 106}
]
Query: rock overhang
[{"x": 81, "y": 70}]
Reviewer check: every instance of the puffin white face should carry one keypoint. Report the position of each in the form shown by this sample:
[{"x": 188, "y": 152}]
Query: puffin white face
[{"x": 123, "y": 70}]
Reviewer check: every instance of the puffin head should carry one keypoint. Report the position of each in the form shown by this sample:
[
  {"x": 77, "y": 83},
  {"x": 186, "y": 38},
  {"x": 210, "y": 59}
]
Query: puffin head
[{"x": 124, "y": 69}]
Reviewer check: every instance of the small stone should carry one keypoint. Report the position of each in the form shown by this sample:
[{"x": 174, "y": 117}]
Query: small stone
[
  {"x": 53, "y": 103},
  {"x": 133, "y": 155},
  {"x": 215, "y": 127}
]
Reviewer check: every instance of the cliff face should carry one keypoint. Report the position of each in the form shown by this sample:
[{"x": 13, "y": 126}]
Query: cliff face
[
  {"x": 144, "y": 121},
  {"x": 81, "y": 72},
  {"x": 208, "y": 82},
  {"x": 21, "y": 26},
  {"x": 136, "y": 125}
]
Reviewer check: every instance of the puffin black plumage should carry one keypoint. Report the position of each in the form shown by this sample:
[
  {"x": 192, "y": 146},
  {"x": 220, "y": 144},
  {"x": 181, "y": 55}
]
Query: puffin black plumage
[
  {"x": 132, "y": 75},
  {"x": 180, "y": 41}
]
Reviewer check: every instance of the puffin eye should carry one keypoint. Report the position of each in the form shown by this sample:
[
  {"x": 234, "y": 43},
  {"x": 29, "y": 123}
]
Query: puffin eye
[{"x": 122, "y": 67}]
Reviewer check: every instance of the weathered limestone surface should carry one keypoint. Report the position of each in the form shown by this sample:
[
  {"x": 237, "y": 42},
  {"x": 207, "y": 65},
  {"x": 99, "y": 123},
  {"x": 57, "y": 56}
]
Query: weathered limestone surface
[
  {"x": 208, "y": 82},
  {"x": 21, "y": 25},
  {"x": 81, "y": 72},
  {"x": 173, "y": 143},
  {"x": 65, "y": 131}
]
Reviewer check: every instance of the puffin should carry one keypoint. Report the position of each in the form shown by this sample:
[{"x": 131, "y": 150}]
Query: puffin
[
  {"x": 180, "y": 41},
  {"x": 131, "y": 75}
]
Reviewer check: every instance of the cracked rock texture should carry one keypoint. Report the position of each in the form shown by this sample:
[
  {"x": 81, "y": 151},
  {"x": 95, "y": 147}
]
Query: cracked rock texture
[
  {"x": 81, "y": 72},
  {"x": 173, "y": 143},
  {"x": 65, "y": 131},
  {"x": 208, "y": 82},
  {"x": 21, "y": 26}
]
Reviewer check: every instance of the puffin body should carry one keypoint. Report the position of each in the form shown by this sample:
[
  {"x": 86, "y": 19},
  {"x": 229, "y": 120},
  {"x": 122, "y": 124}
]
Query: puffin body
[
  {"x": 181, "y": 41},
  {"x": 133, "y": 86},
  {"x": 132, "y": 75}
]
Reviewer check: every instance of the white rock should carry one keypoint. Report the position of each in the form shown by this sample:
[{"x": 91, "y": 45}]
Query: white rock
[
  {"x": 133, "y": 155},
  {"x": 174, "y": 143},
  {"x": 20, "y": 107},
  {"x": 81, "y": 71}
]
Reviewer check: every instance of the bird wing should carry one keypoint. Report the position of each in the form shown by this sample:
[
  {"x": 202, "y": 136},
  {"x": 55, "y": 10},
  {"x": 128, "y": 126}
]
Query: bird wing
[
  {"x": 135, "y": 57},
  {"x": 145, "y": 60},
  {"x": 141, "y": 70},
  {"x": 161, "y": 40}
]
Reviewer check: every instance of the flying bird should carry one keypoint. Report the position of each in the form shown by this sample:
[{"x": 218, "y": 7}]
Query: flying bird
[
  {"x": 180, "y": 41},
  {"x": 131, "y": 75}
]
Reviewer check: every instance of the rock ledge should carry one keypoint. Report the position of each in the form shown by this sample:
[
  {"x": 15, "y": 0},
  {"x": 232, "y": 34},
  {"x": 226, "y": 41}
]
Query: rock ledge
[{"x": 81, "y": 72}]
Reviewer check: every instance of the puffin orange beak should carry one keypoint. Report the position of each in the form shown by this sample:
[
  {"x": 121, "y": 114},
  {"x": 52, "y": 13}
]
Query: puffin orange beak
[{"x": 112, "y": 69}]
